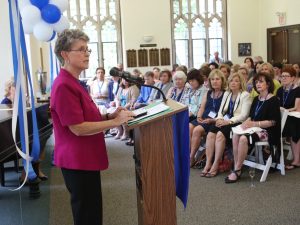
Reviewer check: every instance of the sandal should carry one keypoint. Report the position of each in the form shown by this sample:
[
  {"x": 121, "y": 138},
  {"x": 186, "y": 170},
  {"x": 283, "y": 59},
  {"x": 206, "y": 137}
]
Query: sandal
[
  {"x": 238, "y": 176},
  {"x": 203, "y": 173},
  {"x": 211, "y": 174}
]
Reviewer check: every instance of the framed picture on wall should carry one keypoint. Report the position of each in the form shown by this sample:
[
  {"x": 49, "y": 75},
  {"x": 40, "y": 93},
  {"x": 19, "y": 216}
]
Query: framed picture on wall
[{"x": 244, "y": 49}]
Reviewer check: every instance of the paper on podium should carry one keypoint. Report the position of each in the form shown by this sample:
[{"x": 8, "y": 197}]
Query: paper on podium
[
  {"x": 152, "y": 109},
  {"x": 239, "y": 130}
]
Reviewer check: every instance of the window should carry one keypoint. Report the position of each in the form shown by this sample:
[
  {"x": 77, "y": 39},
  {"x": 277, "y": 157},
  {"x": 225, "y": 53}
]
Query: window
[
  {"x": 199, "y": 30},
  {"x": 100, "y": 20}
]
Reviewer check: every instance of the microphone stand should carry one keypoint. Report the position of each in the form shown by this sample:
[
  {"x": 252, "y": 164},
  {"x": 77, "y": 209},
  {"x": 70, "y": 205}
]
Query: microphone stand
[{"x": 146, "y": 85}]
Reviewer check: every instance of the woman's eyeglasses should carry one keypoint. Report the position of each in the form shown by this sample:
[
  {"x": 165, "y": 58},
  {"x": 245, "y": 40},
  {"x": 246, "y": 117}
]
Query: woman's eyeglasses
[{"x": 83, "y": 51}]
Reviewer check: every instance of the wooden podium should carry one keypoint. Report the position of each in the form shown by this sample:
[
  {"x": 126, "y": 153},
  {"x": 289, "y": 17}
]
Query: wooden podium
[{"x": 154, "y": 168}]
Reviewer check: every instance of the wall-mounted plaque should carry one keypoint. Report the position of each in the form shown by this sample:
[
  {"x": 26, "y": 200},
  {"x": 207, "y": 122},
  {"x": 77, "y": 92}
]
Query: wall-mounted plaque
[
  {"x": 143, "y": 57},
  {"x": 154, "y": 57},
  {"x": 131, "y": 58},
  {"x": 165, "y": 56}
]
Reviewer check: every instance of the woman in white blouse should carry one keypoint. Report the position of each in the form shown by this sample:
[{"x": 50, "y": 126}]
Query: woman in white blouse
[{"x": 99, "y": 87}]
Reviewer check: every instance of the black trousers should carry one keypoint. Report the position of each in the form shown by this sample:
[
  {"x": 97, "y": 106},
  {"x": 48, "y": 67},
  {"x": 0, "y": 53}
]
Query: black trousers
[{"x": 86, "y": 196}]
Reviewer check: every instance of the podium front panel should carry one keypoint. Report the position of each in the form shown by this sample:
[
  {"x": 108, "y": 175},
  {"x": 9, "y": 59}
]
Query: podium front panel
[{"x": 155, "y": 180}]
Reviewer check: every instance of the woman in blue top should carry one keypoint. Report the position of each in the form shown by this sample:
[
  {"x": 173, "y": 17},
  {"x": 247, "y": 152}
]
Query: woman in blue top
[
  {"x": 193, "y": 94},
  {"x": 145, "y": 91},
  {"x": 208, "y": 111}
]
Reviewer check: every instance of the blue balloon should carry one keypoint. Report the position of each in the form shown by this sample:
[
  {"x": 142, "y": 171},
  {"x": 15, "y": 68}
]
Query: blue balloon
[
  {"x": 53, "y": 36},
  {"x": 39, "y": 3},
  {"x": 51, "y": 13}
]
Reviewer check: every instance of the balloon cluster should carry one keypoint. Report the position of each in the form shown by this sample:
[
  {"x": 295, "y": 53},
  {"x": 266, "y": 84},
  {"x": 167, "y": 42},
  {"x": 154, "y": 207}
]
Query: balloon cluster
[{"x": 43, "y": 18}]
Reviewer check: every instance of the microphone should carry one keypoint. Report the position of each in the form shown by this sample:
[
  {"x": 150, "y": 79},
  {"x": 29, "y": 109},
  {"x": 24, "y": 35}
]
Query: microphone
[
  {"x": 114, "y": 72},
  {"x": 127, "y": 76}
]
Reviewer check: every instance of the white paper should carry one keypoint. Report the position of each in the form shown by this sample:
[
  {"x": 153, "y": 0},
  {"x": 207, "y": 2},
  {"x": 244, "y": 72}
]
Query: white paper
[
  {"x": 239, "y": 130},
  {"x": 152, "y": 111}
]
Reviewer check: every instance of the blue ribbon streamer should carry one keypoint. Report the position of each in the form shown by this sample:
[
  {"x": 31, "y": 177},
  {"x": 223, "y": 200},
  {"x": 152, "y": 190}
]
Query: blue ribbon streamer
[
  {"x": 35, "y": 153},
  {"x": 35, "y": 145}
]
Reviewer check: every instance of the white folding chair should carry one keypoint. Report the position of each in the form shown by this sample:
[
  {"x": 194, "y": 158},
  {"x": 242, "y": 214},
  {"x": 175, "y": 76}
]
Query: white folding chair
[{"x": 255, "y": 158}]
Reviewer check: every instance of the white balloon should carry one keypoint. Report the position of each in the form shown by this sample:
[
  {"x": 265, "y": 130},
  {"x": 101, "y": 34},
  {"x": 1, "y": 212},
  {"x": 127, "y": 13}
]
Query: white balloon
[
  {"x": 43, "y": 31},
  {"x": 27, "y": 27},
  {"x": 61, "y": 25},
  {"x": 61, "y": 4},
  {"x": 23, "y": 3},
  {"x": 31, "y": 14}
]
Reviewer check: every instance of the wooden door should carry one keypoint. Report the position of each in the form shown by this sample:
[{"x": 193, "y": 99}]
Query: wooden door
[
  {"x": 276, "y": 46},
  {"x": 293, "y": 37},
  {"x": 284, "y": 44}
]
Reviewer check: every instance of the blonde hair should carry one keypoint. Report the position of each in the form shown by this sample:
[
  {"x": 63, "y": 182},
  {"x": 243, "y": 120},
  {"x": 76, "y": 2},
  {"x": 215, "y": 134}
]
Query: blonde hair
[
  {"x": 241, "y": 78},
  {"x": 217, "y": 73},
  {"x": 270, "y": 68}
]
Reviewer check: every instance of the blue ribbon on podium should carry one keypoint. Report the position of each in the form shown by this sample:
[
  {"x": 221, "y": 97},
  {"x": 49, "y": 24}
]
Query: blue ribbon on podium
[{"x": 181, "y": 142}]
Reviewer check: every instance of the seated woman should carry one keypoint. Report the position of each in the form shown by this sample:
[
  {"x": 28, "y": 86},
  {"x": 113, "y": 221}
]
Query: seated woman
[
  {"x": 176, "y": 92},
  {"x": 234, "y": 110},
  {"x": 145, "y": 91},
  {"x": 243, "y": 70},
  {"x": 207, "y": 113},
  {"x": 9, "y": 92},
  {"x": 192, "y": 96},
  {"x": 99, "y": 88},
  {"x": 164, "y": 84},
  {"x": 126, "y": 97},
  {"x": 225, "y": 70},
  {"x": 289, "y": 97},
  {"x": 260, "y": 116},
  {"x": 267, "y": 68}
]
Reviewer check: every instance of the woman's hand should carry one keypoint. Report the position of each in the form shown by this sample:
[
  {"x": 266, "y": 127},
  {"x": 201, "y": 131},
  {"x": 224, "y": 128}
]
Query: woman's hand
[
  {"x": 116, "y": 112},
  {"x": 222, "y": 122},
  {"x": 247, "y": 124},
  {"x": 199, "y": 119},
  {"x": 123, "y": 116}
]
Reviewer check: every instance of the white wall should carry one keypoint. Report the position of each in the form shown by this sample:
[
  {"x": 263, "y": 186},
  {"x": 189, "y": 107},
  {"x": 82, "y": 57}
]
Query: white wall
[
  {"x": 242, "y": 20},
  {"x": 6, "y": 66},
  {"x": 144, "y": 17}
]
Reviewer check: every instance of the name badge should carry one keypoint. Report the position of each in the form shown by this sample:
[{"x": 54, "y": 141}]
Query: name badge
[
  {"x": 226, "y": 117},
  {"x": 212, "y": 114}
]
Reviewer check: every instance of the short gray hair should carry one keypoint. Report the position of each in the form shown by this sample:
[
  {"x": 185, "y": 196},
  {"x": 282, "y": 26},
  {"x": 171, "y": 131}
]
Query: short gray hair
[
  {"x": 65, "y": 40},
  {"x": 179, "y": 75}
]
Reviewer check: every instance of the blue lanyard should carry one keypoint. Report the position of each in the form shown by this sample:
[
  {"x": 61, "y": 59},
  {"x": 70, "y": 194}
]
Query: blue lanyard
[
  {"x": 174, "y": 97},
  {"x": 231, "y": 106},
  {"x": 285, "y": 95},
  {"x": 258, "y": 106},
  {"x": 100, "y": 87}
]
